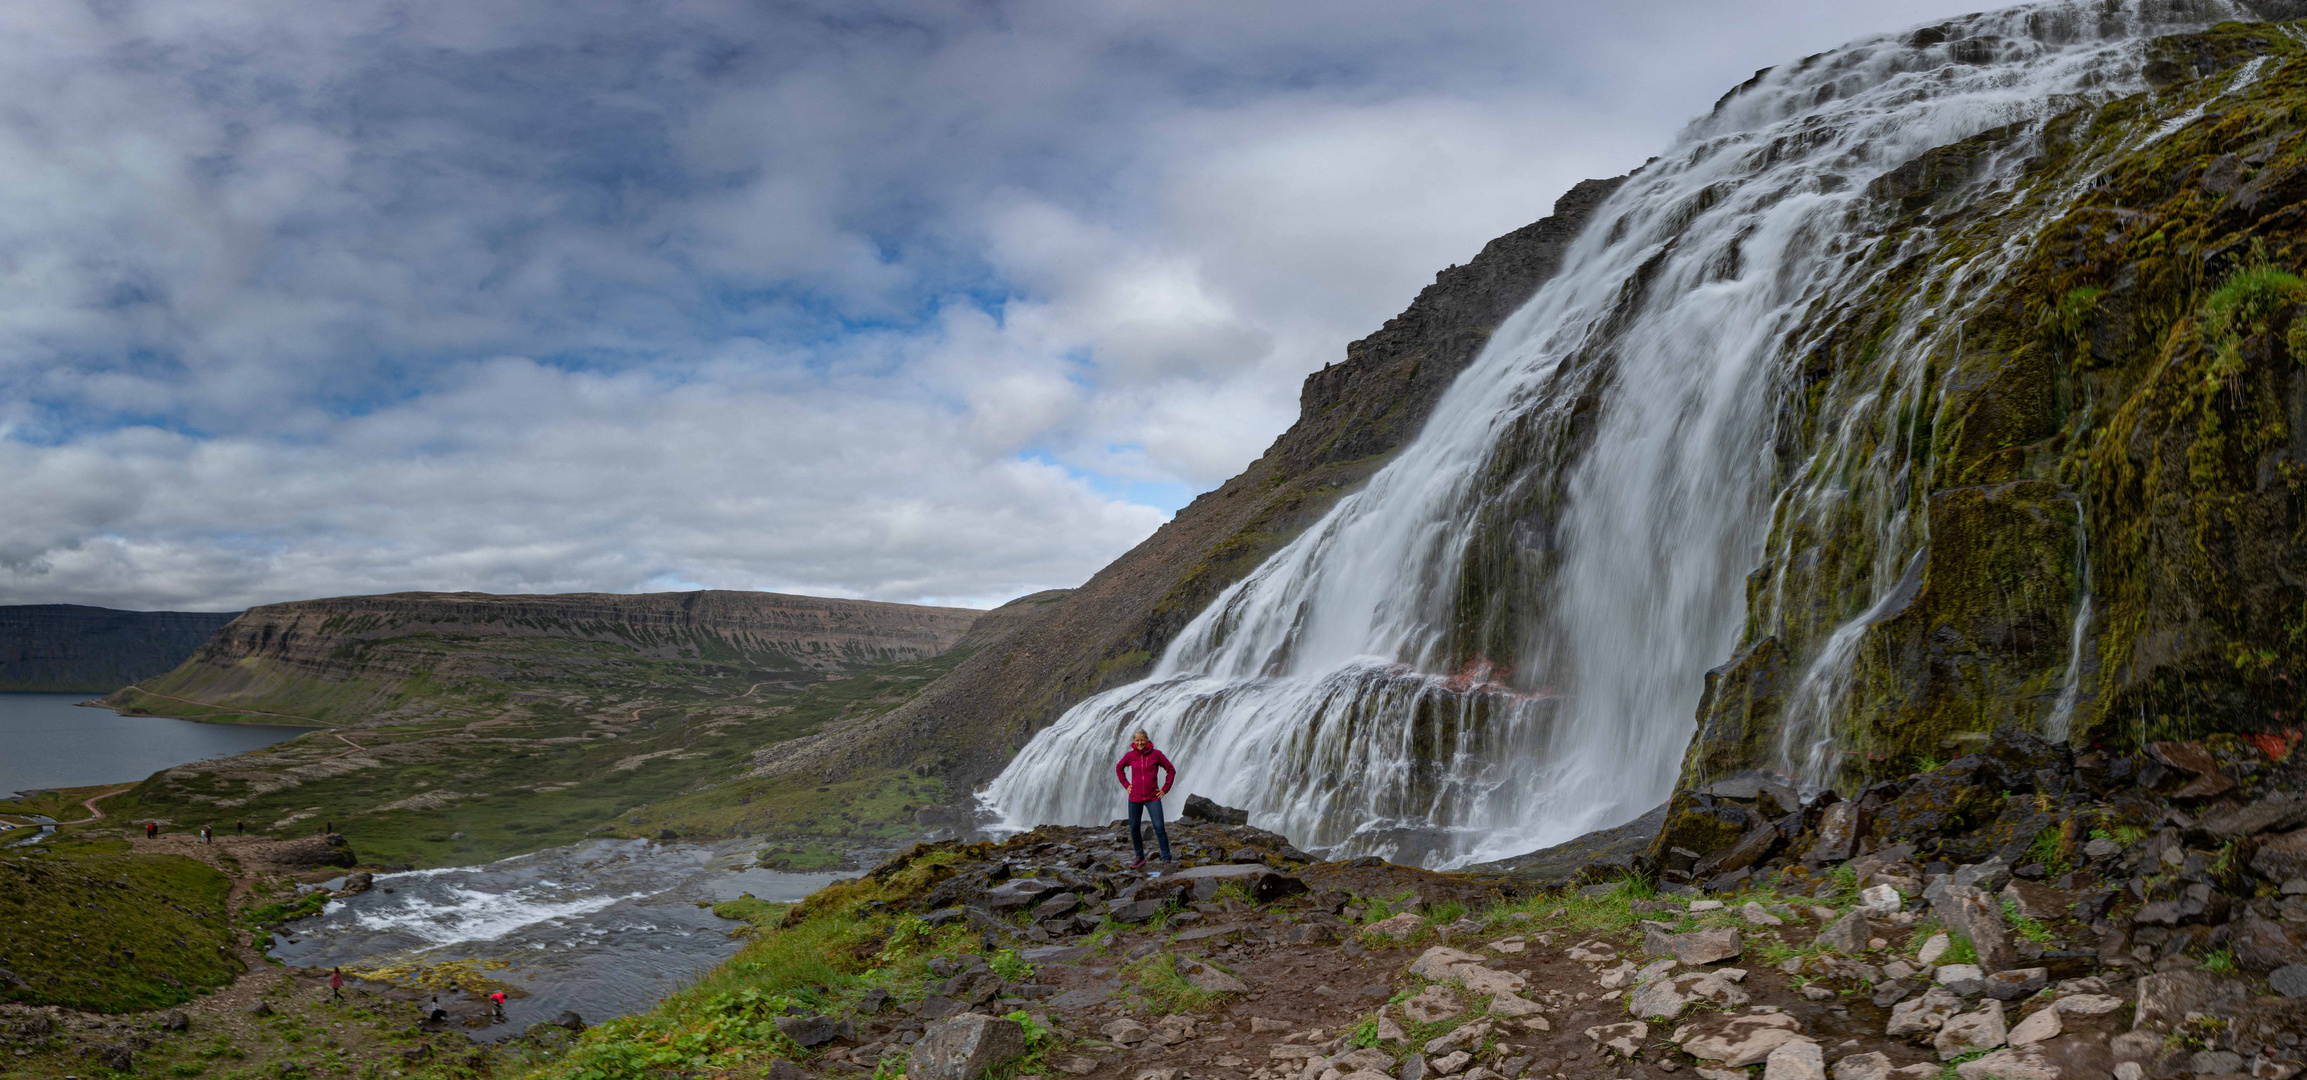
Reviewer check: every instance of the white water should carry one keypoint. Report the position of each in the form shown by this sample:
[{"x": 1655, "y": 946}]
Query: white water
[{"x": 1334, "y": 693}]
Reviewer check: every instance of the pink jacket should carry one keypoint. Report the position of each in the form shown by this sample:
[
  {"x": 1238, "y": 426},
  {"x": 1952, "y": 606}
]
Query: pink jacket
[{"x": 1147, "y": 765}]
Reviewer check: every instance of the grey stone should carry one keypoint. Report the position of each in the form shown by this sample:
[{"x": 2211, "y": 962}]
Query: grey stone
[
  {"x": 781, "y": 1069},
  {"x": 1964, "y": 979},
  {"x": 118, "y": 1057},
  {"x": 1623, "y": 1039},
  {"x": 934, "y": 1007},
  {"x": 2102, "y": 850},
  {"x": 1133, "y": 911},
  {"x": 1840, "y": 828},
  {"x": 1413, "y": 1068},
  {"x": 2213, "y": 1062},
  {"x": 1874, "y": 1066},
  {"x": 2289, "y": 980},
  {"x": 1796, "y": 1059},
  {"x": 965, "y": 1047},
  {"x": 1666, "y": 999},
  {"x": 1989, "y": 876},
  {"x": 1977, "y": 915},
  {"x": 2016, "y": 1063},
  {"x": 1971, "y": 1032},
  {"x": 2165, "y": 999},
  {"x": 1125, "y": 1032},
  {"x": 1198, "y": 808},
  {"x": 1208, "y": 978},
  {"x": 175, "y": 1020},
  {"x": 1737, "y": 1041},
  {"x": 1846, "y": 935},
  {"x": 809, "y": 1030},
  {"x": 2016, "y": 983},
  {"x": 1700, "y": 947},
  {"x": 1433, "y": 1005},
  {"x": 1923, "y": 1015}
]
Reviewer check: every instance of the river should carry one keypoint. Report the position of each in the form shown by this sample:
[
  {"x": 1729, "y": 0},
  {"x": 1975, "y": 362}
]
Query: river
[
  {"x": 604, "y": 928},
  {"x": 49, "y": 741}
]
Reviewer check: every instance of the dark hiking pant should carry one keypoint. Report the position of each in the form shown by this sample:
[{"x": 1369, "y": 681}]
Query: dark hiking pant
[{"x": 1151, "y": 808}]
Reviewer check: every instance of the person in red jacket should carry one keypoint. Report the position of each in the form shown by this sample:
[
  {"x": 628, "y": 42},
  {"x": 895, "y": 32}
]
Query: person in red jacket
[{"x": 1139, "y": 770}]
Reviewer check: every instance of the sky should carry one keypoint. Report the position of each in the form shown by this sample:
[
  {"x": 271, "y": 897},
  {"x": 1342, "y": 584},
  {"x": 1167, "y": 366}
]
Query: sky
[{"x": 923, "y": 302}]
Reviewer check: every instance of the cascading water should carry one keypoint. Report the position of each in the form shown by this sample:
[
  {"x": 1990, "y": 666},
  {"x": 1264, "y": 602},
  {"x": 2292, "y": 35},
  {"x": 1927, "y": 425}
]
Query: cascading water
[{"x": 1498, "y": 643}]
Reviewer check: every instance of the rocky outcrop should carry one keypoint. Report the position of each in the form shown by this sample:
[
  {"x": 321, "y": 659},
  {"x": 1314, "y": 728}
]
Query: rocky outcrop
[
  {"x": 70, "y": 648},
  {"x": 1352, "y": 417},
  {"x": 347, "y": 657}
]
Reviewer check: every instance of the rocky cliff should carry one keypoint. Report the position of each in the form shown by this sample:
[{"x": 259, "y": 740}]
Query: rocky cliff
[
  {"x": 1353, "y": 415},
  {"x": 347, "y": 658},
  {"x": 70, "y": 648}
]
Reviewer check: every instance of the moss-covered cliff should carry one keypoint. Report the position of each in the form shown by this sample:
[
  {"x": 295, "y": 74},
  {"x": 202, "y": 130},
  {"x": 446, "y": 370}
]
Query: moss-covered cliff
[{"x": 2080, "y": 401}]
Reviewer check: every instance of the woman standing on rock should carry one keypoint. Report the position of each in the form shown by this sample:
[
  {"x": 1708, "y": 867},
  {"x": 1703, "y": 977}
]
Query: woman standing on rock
[{"x": 1139, "y": 770}]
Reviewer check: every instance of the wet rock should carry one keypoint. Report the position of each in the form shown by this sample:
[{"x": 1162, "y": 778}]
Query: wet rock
[
  {"x": 1840, "y": 828},
  {"x": 2016, "y": 1063},
  {"x": 1058, "y": 906},
  {"x": 1924, "y": 1015},
  {"x": 1433, "y": 1005},
  {"x": 2192, "y": 757},
  {"x": 1796, "y": 1059},
  {"x": 965, "y": 1047},
  {"x": 1666, "y": 999},
  {"x": 1625, "y": 1040},
  {"x": 569, "y": 1020},
  {"x": 935, "y": 1007},
  {"x": 1133, "y": 911},
  {"x": 357, "y": 883},
  {"x": 1846, "y": 935},
  {"x": 2262, "y": 944},
  {"x": 2281, "y": 810},
  {"x": 1700, "y": 947},
  {"x": 1872, "y": 1066},
  {"x": 1971, "y": 1032},
  {"x": 2042, "y": 1026},
  {"x": 1198, "y": 808},
  {"x": 1737, "y": 1041}
]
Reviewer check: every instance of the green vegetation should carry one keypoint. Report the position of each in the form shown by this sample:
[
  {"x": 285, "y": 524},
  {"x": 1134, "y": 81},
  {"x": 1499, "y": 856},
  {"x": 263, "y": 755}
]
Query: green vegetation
[
  {"x": 88, "y": 926},
  {"x": 1158, "y": 978},
  {"x": 554, "y": 770}
]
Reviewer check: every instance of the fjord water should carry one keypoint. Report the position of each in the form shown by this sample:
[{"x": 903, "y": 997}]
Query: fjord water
[
  {"x": 604, "y": 928},
  {"x": 50, "y": 741},
  {"x": 1499, "y": 643}
]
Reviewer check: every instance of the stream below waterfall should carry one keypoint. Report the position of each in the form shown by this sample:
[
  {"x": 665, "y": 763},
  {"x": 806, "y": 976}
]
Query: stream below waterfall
[{"x": 605, "y": 928}]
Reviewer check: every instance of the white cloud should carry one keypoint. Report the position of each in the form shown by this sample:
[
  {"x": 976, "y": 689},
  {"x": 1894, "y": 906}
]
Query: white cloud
[{"x": 878, "y": 299}]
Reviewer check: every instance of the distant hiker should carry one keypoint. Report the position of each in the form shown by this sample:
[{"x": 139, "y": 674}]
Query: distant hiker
[
  {"x": 328, "y": 827},
  {"x": 434, "y": 1012},
  {"x": 151, "y": 830},
  {"x": 239, "y": 828},
  {"x": 336, "y": 984},
  {"x": 1139, "y": 771},
  {"x": 498, "y": 999},
  {"x": 204, "y": 834}
]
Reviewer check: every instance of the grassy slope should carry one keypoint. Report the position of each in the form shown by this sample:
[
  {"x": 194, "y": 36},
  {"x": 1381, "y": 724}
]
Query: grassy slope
[
  {"x": 679, "y": 747},
  {"x": 90, "y": 926}
]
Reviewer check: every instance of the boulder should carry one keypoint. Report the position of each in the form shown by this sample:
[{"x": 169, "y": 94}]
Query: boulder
[
  {"x": 2165, "y": 999},
  {"x": 2290, "y": 980},
  {"x": 1964, "y": 979},
  {"x": 1482, "y": 980},
  {"x": 1846, "y": 935},
  {"x": 1934, "y": 948},
  {"x": 1737, "y": 1041},
  {"x": 1201, "y": 809},
  {"x": 1125, "y": 1032},
  {"x": 781, "y": 1069},
  {"x": 1505, "y": 1003},
  {"x": 2040, "y": 902},
  {"x": 1449, "y": 1063},
  {"x": 1796, "y": 1059},
  {"x": 172, "y": 1020},
  {"x": 2015, "y": 1063},
  {"x": 1666, "y": 999},
  {"x": 1208, "y": 978},
  {"x": 1434, "y": 964},
  {"x": 2016, "y": 984},
  {"x": 2263, "y": 944},
  {"x": 1879, "y": 901},
  {"x": 964, "y": 1047},
  {"x": 1923, "y": 1015},
  {"x": 1874, "y": 1066},
  {"x": 1971, "y": 1032},
  {"x": 119, "y": 1057},
  {"x": 2042, "y": 1026},
  {"x": 2087, "y": 1004},
  {"x": 1398, "y": 926},
  {"x": 809, "y": 1030},
  {"x": 1625, "y": 1040},
  {"x": 1977, "y": 915},
  {"x": 1700, "y": 947},
  {"x": 1840, "y": 828},
  {"x": 2283, "y": 857},
  {"x": 1433, "y": 1005},
  {"x": 1463, "y": 1037}
]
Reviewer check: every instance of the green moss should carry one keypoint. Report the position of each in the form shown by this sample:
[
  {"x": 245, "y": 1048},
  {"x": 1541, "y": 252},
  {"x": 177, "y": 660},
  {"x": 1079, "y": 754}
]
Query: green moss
[{"x": 89, "y": 926}]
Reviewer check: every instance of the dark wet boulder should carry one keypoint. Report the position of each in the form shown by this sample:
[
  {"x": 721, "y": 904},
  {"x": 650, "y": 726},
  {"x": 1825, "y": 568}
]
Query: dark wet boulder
[
  {"x": 175, "y": 1020},
  {"x": 809, "y": 1030},
  {"x": 1201, "y": 809},
  {"x": 1947, "y": 801},
  {"x": 1571, "y": 861},
  {"x": 965, "y": 1047},
  {"x": 569, "y": 1020}
]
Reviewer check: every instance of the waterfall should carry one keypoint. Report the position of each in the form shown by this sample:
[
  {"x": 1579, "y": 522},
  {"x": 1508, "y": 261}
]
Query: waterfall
[{"x": 1497, "y": 644}]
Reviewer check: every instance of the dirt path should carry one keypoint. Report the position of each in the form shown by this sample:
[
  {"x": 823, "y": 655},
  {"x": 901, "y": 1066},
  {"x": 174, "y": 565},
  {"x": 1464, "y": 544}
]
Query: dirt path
[{"x": 95, "y": 813}]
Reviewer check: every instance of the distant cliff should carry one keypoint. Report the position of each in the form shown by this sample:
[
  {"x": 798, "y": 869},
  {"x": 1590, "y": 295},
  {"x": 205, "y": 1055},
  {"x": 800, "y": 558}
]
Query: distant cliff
[
  {"x": 1352, "y": 417},
  {"x": 67, "y": 648},
  {"x": 350, "y": 658}
]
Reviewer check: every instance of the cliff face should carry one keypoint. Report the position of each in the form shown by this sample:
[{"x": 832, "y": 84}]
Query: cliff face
[
  {"x": 70, "y": 648},
  {"x": 338, "y": 658},
  {"x": 2111, "y": 487},
  {"x": 1352, "y": 417}
]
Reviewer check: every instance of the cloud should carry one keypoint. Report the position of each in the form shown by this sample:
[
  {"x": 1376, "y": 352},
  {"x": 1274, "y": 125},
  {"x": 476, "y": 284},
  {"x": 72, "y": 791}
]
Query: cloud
[{"x": 896, "y": 300}]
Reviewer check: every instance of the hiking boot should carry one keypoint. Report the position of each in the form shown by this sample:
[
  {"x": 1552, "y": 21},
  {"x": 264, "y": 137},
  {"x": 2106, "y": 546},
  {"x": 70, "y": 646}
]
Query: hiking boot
[{"x": 1138, "y": 865}]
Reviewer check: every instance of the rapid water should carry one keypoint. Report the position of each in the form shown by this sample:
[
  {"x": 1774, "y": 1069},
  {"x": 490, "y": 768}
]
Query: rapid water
[
  {"x": 604, "y": 928},
  {"x": 1498, "y": 643}
]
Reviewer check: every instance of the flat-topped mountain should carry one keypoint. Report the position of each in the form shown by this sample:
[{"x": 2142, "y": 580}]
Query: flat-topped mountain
[
  {"x": 346, "y": 659},
  {"x": 72, "y": 648}
]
